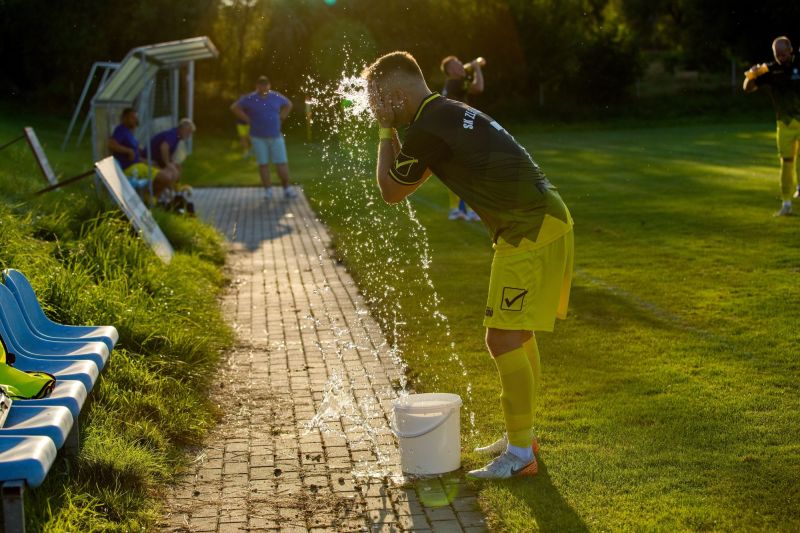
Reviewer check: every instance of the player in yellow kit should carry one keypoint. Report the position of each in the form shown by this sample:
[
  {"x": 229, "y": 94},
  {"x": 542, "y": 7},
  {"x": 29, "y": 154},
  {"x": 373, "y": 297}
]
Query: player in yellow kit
[
  {"x": 781, "y": 79},
  {"x": 531, "y": 229}
]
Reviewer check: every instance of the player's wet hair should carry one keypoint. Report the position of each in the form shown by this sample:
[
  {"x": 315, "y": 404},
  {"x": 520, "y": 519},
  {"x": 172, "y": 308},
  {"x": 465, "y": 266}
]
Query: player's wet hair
[{"x": 393, "y": 63}]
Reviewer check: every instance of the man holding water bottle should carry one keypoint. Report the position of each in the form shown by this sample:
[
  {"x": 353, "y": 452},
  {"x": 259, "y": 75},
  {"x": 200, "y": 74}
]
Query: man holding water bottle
[
  {"x": 782, "y": 79},
  {"x": 530, "y": 225},
  {"x": 463, "y": 80}
]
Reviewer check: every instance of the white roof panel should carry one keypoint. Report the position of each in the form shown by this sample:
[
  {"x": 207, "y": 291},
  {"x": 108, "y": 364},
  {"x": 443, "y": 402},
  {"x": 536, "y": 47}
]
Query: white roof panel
[{"x": 142, "y": 63}]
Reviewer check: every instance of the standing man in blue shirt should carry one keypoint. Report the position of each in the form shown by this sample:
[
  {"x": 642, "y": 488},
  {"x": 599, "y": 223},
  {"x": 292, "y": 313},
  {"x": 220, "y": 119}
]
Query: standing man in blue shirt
[
  {"x": 164, "y": 144},
  {"x": 125, "y": 149},
  {"x": 265, "y": 110}
]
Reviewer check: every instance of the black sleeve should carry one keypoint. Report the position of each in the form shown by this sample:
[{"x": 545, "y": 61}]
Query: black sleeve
[
  {"x": 420, "y": 150},
  {"x": 455, "y": 90}
]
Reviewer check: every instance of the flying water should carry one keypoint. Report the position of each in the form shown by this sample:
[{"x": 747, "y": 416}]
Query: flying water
[{"x": 391, "y": 249}]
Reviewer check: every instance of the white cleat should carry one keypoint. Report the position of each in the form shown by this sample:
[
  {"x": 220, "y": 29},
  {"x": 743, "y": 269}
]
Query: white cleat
[
  {"x": 472, "y": 216},
  {"x": 507, "y": 465},
  {"x": 785, "y": 211},
  {"x": 500, "y": 445}
]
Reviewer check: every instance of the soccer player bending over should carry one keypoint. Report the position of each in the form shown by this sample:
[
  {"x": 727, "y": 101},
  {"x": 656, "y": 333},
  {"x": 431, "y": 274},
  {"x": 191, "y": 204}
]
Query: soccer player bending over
[{"x": 530, "y": 226}]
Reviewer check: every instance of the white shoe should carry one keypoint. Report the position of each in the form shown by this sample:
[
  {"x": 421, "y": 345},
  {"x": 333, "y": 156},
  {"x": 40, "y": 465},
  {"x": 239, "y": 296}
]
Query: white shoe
[
  {"x": 472, "y": 216},
  {"x": 505, "y": 466},
  {"x": 500, "y": 445},
  {"x": 289, "y": 193},
  {"x": 785, "y": 211},
  {"x": 456, "y": 214},
  {"x": 268, "y": 193},
  {"x": 797, "y": 192}
]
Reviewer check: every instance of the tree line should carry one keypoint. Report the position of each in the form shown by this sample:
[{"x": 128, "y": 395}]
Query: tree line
[{"x": 576, "y": 52}]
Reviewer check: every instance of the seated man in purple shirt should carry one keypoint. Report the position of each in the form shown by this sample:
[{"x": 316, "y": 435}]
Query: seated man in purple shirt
[
  {"x": 125, "y": 149},
  {"x": 164, "y": 144},
  {"x": 265, "y": 110}
]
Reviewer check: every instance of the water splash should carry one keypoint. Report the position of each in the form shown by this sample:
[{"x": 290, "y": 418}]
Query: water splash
[{"x": 391, "y": 247}]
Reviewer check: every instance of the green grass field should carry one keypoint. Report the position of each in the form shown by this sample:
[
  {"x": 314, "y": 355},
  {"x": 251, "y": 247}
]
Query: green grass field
[{"x": 670, "y": 398}]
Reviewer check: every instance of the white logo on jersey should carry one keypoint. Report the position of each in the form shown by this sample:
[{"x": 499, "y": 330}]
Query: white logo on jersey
[{"x": 469, "y": 118}]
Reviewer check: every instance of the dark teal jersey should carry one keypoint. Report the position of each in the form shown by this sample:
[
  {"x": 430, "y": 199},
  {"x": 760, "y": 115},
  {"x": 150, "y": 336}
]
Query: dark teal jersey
[{"x": 482, "y": 163}]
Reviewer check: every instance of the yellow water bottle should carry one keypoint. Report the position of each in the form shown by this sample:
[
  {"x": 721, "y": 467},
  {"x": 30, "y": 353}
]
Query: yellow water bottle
[{"x": 757, "y": 71}]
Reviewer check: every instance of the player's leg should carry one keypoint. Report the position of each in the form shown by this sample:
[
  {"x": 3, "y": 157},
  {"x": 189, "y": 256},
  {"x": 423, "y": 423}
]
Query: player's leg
[
  {"x": 455, "y": 212},
  {"x": 796, "y": 150},
  {"x": 528, "y": 290},
  {"x": 786, "y": 150},
  {"x": 243, "y": 130},
  {"x": 281, "y": 160},
  {"x": 517, "y": 381},
  {"x": 261, "y": 151}
]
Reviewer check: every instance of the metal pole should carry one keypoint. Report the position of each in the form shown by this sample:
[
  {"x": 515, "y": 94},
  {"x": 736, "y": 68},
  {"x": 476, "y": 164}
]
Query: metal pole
[
  {"x": 90, "y": 116},
  {"x": 95, "y": 155},
  {"x": 189, "y": 100},
  {"x": 175, "y": 79},
  {"x": 79, "y": 106},
  {"x": 9, "y": 143}
]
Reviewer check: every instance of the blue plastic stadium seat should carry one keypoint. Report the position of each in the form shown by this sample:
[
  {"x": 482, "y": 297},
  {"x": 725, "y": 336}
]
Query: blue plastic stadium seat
[
  {"x": 69, "y": 394},
  {"x": 20, "y": 339},
  {"x": 26, "y": 458},
  {"x": 46, "y": 328},
  {"x": 53, "y": 422}
]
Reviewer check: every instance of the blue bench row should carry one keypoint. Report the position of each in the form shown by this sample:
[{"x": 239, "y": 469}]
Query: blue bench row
[{"x": 35, "y": 429}]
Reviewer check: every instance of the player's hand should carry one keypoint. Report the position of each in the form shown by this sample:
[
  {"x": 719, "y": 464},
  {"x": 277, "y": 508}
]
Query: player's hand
[{"x": 381, "y": 104}]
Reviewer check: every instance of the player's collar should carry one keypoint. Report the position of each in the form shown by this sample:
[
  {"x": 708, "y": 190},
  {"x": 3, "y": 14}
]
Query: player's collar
[{"x": 425, "y": 102}]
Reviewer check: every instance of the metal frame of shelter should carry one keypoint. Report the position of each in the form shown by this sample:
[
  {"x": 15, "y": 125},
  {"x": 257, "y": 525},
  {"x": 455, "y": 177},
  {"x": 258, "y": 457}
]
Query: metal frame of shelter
[{"x": 133, "y": 84}]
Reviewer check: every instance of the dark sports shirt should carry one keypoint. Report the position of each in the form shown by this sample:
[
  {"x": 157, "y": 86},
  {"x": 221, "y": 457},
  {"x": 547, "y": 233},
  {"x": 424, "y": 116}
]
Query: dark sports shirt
[
  {"x": 482, "y": 163},
  {"x": 783, "y": 82},
  {"x": 457, "y": 89}
]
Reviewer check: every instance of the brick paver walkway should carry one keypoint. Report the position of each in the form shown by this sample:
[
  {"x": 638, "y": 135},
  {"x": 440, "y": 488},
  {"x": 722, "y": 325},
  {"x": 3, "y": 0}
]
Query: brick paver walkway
[{"x": 304, "y": 442}]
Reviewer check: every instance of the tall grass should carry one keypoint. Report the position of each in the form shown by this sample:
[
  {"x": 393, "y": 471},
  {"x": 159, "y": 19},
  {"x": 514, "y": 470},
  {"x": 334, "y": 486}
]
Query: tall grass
[{"x": 88, "y": 267}]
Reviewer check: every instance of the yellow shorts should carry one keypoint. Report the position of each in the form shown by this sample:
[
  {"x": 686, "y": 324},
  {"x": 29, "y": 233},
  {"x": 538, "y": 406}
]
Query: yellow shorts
[
  {"x": 243, "y": 130},
  {"x": 529, "y": 287},
  {"x": 139, "y": 170},
  {"x": 788, "y": 138}
]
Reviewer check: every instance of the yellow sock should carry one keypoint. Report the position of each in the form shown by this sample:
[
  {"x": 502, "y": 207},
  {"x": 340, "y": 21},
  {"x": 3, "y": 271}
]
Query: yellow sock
[
  {"x": 787, "y": 179},
  {"x": 797, "y": 170},
  {"x": 532, "y": 351},
  {"x": 516, "y": 378},
  {"x": 454, "y": 199}
]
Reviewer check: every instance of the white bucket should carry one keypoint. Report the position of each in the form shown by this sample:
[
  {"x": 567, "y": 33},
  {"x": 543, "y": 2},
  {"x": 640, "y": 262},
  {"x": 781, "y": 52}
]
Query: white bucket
[{"x": 428, "y": 428}]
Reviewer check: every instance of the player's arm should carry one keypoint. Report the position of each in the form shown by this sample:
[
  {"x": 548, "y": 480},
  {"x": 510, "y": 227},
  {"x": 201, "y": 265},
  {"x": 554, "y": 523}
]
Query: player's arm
[
  {"x": 750, "y": 85},
  {"x": 476, "y": 87},
  {"x": 118, "y": 148},
  {"x": 394, "y": 188},
  {"x": 286, "y": 109},
  {"x": 166, "y": 157},
  {"x": 237, "y": 110},
  {"x": 755, "y": 77}
]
